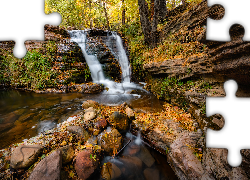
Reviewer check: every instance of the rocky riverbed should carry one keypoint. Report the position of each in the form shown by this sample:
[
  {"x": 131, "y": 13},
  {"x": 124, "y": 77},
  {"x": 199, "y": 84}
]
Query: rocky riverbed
[{"x": 96, "y": 143}]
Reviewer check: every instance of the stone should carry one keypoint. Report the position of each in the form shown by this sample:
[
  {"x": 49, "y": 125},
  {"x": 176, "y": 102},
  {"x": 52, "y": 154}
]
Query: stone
[
  {"x": 91, "y": 88},
  {"x": 67, "y": 154},
  {"x": 130, "y": 113},
  {"x": 111, "y": 141},
  {"x": 89, "y": 103},
  {"x": 146, "y": 157},
  {"x": 151, "y": 174},
  {"x": 119, "y": 121},
  {"x": 24, "y": 156},
  {"x": 183, "y": 161},
  {"x": 132, "y": 149},
  {"x": 85, "y": 164},
  {"x": 101, "y": 124},
  {"x": 48, "y": 168},
  {"x": 132, "y": 165},
  {"x": 110, "y": 171},
  {"x": 90, "y": 114},
  {"x": 79, "y": 131}
]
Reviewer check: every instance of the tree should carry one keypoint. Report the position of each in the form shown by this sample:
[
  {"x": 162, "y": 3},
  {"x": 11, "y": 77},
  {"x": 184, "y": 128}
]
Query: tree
[
  {"x": 106, "y": 15},
  {"x": 145, "y": 24},
  {"x": 149, "y": 28},
  {"x": 123, "y": 13}
]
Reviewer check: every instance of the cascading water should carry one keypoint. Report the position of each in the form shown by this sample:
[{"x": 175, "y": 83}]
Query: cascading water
[
  {"x": 113, "y": 89},
  {"x": 94, "y": 66},
  {"x": 121, "y": 56}
]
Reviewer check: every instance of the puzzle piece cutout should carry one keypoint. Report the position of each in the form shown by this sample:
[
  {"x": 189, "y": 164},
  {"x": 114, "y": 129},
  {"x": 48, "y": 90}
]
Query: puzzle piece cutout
[
  {"x": 236, "y": 129},
  {"x": 235, "y": 13},
  {"x": 28, "y": 19}
]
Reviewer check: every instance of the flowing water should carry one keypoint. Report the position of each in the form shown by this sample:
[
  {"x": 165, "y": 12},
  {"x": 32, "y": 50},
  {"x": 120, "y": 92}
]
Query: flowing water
[
  {"x": 26, "y": 114},
  {"x": 122, "y": 89}
]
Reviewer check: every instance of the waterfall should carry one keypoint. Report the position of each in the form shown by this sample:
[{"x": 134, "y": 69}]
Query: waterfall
[
  {"x": 121, "y": 56},
  {"x": 113, "y": 89},
  {"x": 94, "y": 65}
]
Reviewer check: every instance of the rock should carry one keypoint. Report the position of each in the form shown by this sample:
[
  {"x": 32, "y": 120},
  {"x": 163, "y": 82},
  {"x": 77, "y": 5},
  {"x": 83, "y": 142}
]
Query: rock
[
  {"x": 130, "y": 113},
  {"x": 183, "y": 161},
  {"x": 132, "y": 165},
  {"x": 151, "y": 174},
  {"x": 90, "y": 114},
  {"x": 24, "y": 156},
  {"x": 215, "y": 162},
  {"x": 119, "y": 121},
  {"x": 85, "y": 165},
  {"x": 131, "y": 149},
  {"x": 67, "y": 154},
  {"x": 111, "y": 141},
  {"x": 91, "y": 88},
  {"x": 78, "y": 130},
  {"x": 146, "y": 157},
  {"x": 110, "y": 171},
  {"x": 101, "y": 124},
  {"x": 48, "y": 168},
  {"x": 89, "y": 103}
]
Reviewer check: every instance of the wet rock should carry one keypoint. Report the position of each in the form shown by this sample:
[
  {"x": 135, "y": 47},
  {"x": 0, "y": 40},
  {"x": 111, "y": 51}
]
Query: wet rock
[
  {"x": 110, "y": 171},
  {"x": 151, "y": 174},
  {"x": 132, "y": 165},
  {"x": 78, "y": 130},
  {"x": 146, "y": 157},
  {"x": 111, "y": 141},
  {"x": 24, "y": 156},
  {"x": 89, "y": 103},
  {"x": 119, "y": 121},
  {"x": 67, "y": 154},
  {"x": 130, "y": 113},
  {"x": 101, "y": 124},
  {"x": 48, "y": 168},
  {"x": 85, "y": 164},
  {"x": 183, "y": 161},
  {"x": 90, "y": 114},
  {"x": 131, "y": 149},
  {"x": 91, "y": 88}
]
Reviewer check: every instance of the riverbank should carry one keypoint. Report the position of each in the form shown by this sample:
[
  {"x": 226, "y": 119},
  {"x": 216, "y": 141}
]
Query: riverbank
[{"x": 100, "y": 130}]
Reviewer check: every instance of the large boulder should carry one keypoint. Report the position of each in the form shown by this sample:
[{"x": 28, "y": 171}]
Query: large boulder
[
  {"x": 24, "y": 156},
  {"x": 90, "y": 88},
  {"x": 48, "y": 168},
  {"x": 90, "y": 114},
  {"x": 111, "y": 141},
  {"x": 79, "y": 131},
  {"x": 110, "y": 171},
  {"x": 86, "y": 163},
  {"x": 67, "y": 154},
  {"x": 119, "y": 120},
  {"x": 215, "y": 162},
  {"x": 89, "y": 103}
]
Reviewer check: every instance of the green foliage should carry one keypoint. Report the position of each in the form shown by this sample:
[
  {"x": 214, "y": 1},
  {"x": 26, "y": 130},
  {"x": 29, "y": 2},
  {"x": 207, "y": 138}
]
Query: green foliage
[{"x": 33, "y": 71}]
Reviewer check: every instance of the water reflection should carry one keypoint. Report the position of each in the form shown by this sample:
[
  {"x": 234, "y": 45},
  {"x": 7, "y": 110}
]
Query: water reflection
[{"x": 25, "y": 114}]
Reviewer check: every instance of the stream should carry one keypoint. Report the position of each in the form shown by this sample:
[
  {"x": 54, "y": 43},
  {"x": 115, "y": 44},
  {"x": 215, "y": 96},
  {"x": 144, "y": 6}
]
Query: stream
[{"x": 26, "y": 114}]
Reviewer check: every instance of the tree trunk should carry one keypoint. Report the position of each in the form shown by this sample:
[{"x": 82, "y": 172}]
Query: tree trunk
[
  {"x": 123, "y": 13},
  {"x": 161, "y": 10},
  {"x": 152, "y": 9},
  {"x": 145, "y": 24},
  {"x": 106, "y": 15},
  {"x": 91, "y": 20}
]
